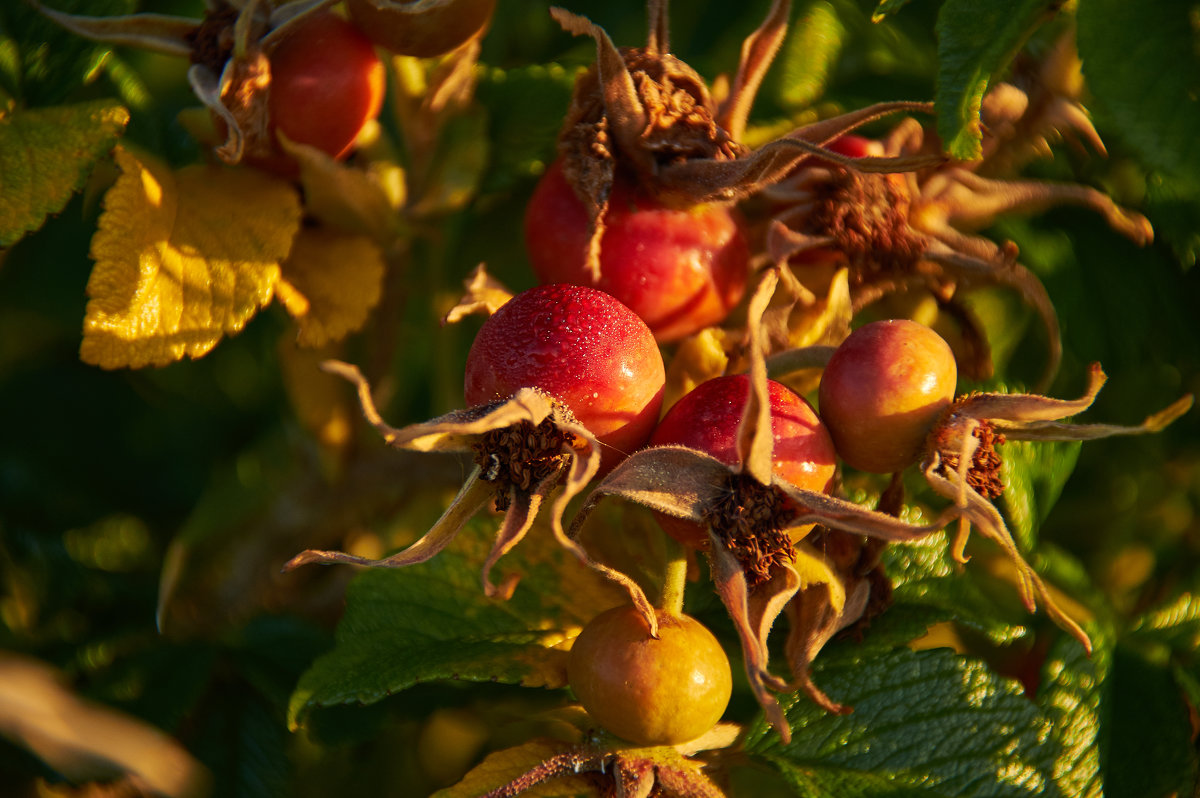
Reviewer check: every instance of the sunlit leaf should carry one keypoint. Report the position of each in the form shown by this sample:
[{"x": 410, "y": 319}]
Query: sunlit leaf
[
  {"x": 976, "y": 40},
  {"x": 182, "y": 259},
  {"x": 46, "y": 155},
  {"x": 924, "y": 573},
  {"x": 927, "y": 719},
  {"x": 1071, "y": 695},
  {"x": 330, "y": 284},
  {"x": 432, "y": 621},
  {"x": 886, "y": 8}
]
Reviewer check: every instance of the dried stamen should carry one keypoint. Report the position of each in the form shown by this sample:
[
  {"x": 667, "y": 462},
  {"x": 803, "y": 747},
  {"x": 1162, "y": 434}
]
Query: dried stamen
[
  {"x": 521, "y": 456},
  {"x": 867, "y": 217},
  {"x": 749, "y": 518},
  {"x": 984, "y": 474}
]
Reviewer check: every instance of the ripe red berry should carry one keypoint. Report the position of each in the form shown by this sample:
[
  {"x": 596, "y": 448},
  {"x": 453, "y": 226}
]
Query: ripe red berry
[
  {"x": 882, "y": 390},
  {"x": 421, "y": 29},
  {"x": 327, "y": 83},
  {"x": 707, "y": 419},
  {"x": 650, "y": 691},
  {"x": 680, "y": 270},
  {"x": 581, "y": 346}
]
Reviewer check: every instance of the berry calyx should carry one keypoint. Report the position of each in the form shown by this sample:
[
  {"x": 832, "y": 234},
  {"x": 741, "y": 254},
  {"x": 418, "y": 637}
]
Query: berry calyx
[
  {"x": 650, "y": 691},
  {"x": 882, "y": 390},
  {"x": 707, "y": 419},
  {"x": 584, "y": 348},
  {"x": 679, "y": 269}
]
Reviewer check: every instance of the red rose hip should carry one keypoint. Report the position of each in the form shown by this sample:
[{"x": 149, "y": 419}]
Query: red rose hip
[
  {"x": 680, "y": 270},
  {"x": 707, "y": 419},
  {"x": 581, "y": 346},
  {"x": 882, "y": 390}
]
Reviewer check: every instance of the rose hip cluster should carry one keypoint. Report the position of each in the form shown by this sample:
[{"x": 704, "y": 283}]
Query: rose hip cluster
[{"x": 656, "y": 227}]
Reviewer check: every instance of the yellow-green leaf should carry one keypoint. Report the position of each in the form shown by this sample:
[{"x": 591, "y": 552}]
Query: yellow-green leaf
[
  {"x": 330, "y": 283},
  {"x": 501, "y": 767},
  {"x": 182, "y": 258},
  {"x": 45, "y": 157}
]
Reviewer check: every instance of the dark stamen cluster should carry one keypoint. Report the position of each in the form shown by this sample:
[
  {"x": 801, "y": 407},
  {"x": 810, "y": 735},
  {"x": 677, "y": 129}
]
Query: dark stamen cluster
[
  {"x": 521, "y": 456},
  {"x": 212, "y": 40},
  {"x": 749, "y": 519},
  {"x": 984, "y": 474}
]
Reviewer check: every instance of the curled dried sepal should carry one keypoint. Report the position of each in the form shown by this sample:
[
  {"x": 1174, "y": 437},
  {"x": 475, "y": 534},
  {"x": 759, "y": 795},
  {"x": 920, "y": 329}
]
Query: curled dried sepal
[
  {"x": 960, "y": 463},
  {"x": 483, "y": 295},
  {"x": 525, "y": 448}
]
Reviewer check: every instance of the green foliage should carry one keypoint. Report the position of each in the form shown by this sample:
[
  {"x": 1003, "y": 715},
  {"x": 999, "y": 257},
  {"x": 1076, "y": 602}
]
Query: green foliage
[{"x": 976, "y": 40}]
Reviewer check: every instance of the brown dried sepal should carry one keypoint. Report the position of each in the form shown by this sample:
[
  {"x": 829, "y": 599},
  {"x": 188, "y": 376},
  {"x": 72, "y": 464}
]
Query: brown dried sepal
[
  {"x": 961, "y": 464},
  {"x": 564, "y": 458}
]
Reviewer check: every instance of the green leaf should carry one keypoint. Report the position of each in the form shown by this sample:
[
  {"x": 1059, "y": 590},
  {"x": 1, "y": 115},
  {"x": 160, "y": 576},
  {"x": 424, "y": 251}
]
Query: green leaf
[
  {"x": 976, "y": 40},
  {"x": 1070, "y": 694},
  {"x": 927, "y": 719},
  {"x": 1140, "y": 61},
  {"x": 1034, "y": 475},
  {"x": 526, "y": 109},
  {"x": 924, "y": 574},
  {"x": 432, "y": 621},
  {"x": 809, "y": 55},
  {"x": 46, "y": 155}
]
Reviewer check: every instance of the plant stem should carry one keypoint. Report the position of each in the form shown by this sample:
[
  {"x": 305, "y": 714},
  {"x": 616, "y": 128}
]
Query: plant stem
[{"x": 670, "y": 600}]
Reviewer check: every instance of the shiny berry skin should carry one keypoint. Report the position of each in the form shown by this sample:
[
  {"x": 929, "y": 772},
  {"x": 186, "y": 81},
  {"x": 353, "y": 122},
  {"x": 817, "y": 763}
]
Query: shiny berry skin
[
  {"x": 581, "y": 346},
  {"x": 680, "y": 270},
  {"x": 707, "y": 419},
  {"x": 650, "y": 691},
  {"x": 882, "y": 390},
  {"x": 327, "y": 83},
  {"x": 438, "y": 28}
]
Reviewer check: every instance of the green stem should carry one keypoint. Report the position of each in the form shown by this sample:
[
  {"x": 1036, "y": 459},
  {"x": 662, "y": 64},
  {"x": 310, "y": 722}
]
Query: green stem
[{"x": 670, "y": 600}]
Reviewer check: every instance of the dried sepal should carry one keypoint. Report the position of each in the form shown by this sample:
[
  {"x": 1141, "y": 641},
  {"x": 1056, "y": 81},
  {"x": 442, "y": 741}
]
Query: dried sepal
[
  {"x": 483, "y": 295},
  {"x": 961, "y": 464},
  {"x": 525, "y": 448}
]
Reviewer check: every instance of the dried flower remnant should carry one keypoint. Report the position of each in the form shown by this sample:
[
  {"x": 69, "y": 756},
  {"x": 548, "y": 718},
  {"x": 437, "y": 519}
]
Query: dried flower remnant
[
  {"x": 916, "y": 230},
  {"x": 961, "y": 463},
  {"x": 646, "y": 113},
  {"x": 524, "y": 448}
]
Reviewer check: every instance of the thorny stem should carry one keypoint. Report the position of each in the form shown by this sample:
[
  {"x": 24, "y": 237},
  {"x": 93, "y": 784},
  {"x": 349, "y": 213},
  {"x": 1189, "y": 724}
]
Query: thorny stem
[{"x": 670, "y": 600}]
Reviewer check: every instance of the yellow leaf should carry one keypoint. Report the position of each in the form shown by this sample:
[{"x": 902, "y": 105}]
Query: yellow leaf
[
  {"x": 698, "y": 358},
  {"x": 317, "y": 397},
  {"x": 182, "y": 258},
  {"x": 350, "y": 199},
  {"x": 45, "y": 156},
  {"x": 814, "y": 570},
  {"x": 331, "y": 281}
]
